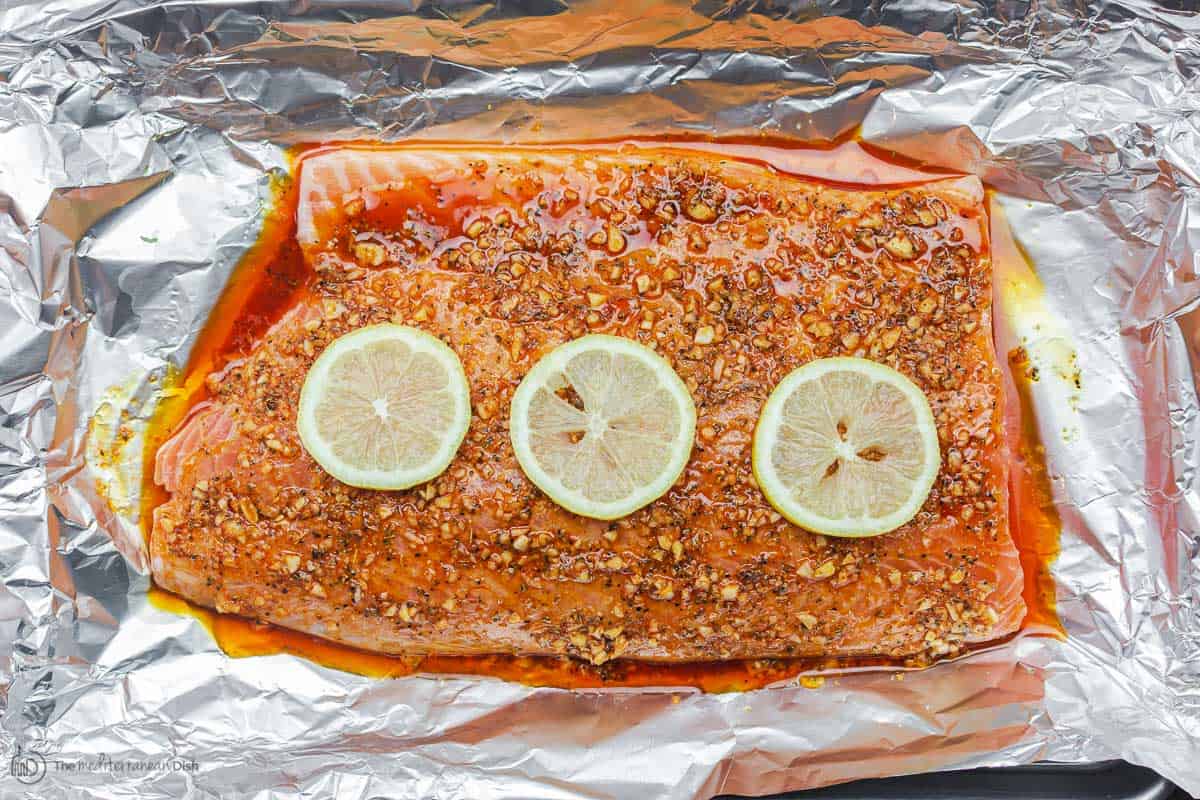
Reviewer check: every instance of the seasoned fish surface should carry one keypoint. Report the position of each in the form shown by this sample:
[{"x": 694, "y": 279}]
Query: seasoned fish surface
[{"x": 733, "y": 273}]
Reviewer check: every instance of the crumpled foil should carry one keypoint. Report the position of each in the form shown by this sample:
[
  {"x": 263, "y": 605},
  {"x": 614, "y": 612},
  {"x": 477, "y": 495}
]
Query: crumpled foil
[{"x": 137, "y": 144}]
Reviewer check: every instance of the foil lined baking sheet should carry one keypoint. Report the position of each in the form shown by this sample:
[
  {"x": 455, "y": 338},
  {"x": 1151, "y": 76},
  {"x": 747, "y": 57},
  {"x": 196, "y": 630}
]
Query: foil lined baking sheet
[{"x": 137, "y": 147}]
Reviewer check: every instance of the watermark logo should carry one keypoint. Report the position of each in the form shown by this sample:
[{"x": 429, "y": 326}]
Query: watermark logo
[{"x": 28, "y": 767}]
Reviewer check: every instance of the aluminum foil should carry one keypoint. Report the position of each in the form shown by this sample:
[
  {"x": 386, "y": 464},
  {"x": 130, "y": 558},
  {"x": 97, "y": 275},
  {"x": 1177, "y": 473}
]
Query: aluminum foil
[{"x": 137, "y": 143}]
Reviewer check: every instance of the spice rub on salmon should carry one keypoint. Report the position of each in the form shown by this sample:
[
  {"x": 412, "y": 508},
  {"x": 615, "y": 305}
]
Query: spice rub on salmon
[{"x": 732, "y": 272}]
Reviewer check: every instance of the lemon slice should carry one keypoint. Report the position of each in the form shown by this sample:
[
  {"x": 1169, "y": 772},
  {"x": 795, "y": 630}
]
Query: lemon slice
[
  {"x": 384, "y": 407},
  {"x": 846, "y": 447},
  {"x": 602, "y": 425}
]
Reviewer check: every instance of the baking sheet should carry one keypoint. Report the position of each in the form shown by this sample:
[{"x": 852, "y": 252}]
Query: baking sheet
[{"x": 137, "y": 146}]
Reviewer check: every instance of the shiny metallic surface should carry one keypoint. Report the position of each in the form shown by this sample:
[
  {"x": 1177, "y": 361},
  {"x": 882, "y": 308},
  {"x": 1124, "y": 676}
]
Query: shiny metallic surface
[{"x": 137, "y": 145}]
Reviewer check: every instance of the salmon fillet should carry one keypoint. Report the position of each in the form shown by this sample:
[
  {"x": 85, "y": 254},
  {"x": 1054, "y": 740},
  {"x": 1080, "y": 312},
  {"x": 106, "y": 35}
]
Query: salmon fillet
[{"x": 735, "y": 274}]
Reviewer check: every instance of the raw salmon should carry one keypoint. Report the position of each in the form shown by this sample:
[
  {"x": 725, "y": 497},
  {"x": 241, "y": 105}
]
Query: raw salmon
[{"x": 736, "y": 274}]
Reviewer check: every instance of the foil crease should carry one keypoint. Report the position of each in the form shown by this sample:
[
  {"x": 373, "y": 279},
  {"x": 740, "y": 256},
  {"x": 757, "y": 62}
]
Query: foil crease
[{"x": 137, "y": 146}]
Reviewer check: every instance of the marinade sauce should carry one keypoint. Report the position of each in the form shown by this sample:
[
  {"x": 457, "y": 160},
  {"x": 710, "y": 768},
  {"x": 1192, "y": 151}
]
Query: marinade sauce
[{"x": 273, "y": 277}]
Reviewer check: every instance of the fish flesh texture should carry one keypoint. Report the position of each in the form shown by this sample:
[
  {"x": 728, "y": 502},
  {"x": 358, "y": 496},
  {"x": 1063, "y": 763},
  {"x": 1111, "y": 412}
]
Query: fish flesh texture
[{"x": 736, "y": 274}]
